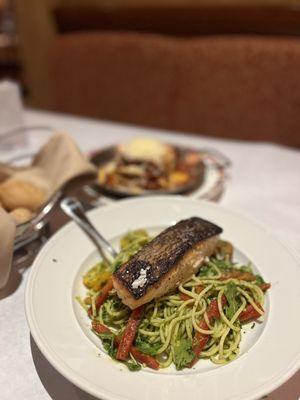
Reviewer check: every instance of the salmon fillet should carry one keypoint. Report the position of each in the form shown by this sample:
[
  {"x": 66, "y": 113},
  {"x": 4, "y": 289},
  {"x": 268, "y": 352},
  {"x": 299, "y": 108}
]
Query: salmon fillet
[{"x": 170, "y": 259}]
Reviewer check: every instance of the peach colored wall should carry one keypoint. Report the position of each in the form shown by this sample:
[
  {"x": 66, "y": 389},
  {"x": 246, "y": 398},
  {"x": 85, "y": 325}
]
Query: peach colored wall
[{"x": 37, "y": 28}]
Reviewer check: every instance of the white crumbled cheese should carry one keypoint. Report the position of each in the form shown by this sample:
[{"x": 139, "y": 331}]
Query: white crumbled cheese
[
  {"x": 141, "y": 279},
  {"x": 196, "y": 265},
  {"x": 206, "y": 260},
  {"x": 145, "y": 148}
]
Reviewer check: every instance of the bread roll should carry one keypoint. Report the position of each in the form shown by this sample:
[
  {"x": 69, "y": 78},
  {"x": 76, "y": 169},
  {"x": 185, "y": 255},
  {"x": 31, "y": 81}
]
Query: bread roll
[
  {"x": 21, "y": 194},
  {"x": 21, "y": 215}
]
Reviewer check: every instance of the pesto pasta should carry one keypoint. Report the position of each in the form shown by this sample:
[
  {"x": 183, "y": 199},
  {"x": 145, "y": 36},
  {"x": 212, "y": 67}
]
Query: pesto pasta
[{"x": 201, "y": 319}]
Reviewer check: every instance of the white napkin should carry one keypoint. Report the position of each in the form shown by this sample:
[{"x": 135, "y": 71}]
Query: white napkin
[{"x": 11, "y": 108}]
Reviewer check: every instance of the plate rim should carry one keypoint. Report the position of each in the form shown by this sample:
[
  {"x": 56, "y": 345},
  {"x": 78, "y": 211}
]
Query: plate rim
[{"x": 263, "y": 389}]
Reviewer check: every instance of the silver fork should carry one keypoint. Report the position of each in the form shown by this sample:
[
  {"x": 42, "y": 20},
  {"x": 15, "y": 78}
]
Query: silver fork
[{"x": 74, "y": 209}]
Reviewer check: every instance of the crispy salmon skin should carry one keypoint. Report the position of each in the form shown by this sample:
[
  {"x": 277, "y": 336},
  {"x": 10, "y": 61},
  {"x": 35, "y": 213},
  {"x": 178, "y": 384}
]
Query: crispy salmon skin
[{"x": 168, "y": 260}]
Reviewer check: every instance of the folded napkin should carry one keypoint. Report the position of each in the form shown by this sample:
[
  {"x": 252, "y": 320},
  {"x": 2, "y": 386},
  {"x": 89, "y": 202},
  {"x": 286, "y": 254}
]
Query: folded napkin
[
  {"x": 11, "y": 108},
  {"x": 7, "y": 235},
  {"x": 55, "y": 164}
]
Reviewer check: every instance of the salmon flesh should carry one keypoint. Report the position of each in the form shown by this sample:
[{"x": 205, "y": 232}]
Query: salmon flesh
[{"x": 170, "y": 259}]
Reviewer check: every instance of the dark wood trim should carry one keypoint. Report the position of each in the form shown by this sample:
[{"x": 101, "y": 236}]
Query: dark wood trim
[{"x": 183, "y": 21}]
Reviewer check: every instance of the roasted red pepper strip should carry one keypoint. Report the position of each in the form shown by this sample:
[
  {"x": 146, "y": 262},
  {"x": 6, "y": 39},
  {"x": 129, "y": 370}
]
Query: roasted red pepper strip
[
  {"x": 102, "y": 296},
  {"x": 200, "y": 339},
  {"x": 129, "y": 334},
  {"x": 100, "y": 299},
  {"x": 241, "y": 275},
  {"x": 144, "y": 358},
  {"x": 100, "y": 328},
  {"x": 199, "y": 289},
  {"x": 213, "y": 309},
  {"x": 249, "y": 313},
  {"x": 265, "y": 286},
  {"x": 184, "y": 296},
  {"x": 117, "y": 340},
  {"x": 137, "y": 354}
]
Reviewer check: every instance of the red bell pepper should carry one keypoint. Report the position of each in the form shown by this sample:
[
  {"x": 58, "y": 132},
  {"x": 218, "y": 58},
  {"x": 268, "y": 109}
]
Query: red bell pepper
[
  {"x": 129, "y": 334},
  {"x": 102, "y": 296},
  {"x": 144, "y": 358},
  {"x": 241, "y": 275},
  {"x": 185, "y": 296},
  {"x": 100, "y": 328},
  {"x": 249, "y": 313},
  {"x": 200, "y": 339},
  {"x": 265, "y": 286}
]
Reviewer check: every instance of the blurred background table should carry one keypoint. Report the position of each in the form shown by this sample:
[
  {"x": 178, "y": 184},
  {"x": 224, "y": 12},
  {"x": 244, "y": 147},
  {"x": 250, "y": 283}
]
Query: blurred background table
[{"x": 263, "y": 183}]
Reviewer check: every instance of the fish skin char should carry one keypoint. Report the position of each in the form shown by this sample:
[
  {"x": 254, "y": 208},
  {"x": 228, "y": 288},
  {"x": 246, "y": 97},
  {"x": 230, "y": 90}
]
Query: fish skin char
[{"x": 163, "y": 253}]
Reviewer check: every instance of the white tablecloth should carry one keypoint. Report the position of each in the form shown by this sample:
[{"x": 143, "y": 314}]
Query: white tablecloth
[{"x": 264, "y": 184}]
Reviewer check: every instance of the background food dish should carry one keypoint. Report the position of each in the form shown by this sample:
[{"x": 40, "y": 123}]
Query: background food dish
[
  {"x": 261, "y": 369},
  {"x": 181, "y": 171},
  {"x": 138, "y": 168}
]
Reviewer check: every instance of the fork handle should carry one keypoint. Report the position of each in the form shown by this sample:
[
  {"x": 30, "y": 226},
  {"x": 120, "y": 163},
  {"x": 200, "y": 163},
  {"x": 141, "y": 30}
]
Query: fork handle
[{"x": 74, "y": 209}]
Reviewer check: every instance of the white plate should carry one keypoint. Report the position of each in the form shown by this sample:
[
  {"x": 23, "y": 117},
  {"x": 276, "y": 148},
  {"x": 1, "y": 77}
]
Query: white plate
[{"x": 270, "y": 353}]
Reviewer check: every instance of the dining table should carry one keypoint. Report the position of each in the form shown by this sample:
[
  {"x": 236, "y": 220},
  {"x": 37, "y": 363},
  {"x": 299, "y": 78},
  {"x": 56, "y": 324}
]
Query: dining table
[{"x": 262, "y": 183}]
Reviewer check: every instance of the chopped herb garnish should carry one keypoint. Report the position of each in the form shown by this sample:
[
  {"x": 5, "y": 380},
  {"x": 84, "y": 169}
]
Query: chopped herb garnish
[
  {"x": 145, "y": 347},
  {"x": 132, "y": 365},
  {"x": 183, "y": 353},
  {"x": 231, "y": 296}
]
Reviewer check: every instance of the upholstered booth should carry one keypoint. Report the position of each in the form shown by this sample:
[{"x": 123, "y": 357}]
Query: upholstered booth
[{"x": 245, "y": 87}]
